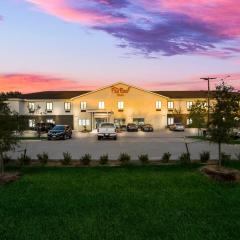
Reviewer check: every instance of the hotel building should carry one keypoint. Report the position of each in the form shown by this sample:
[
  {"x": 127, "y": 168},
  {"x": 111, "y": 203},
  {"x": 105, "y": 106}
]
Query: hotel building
[{"x": 119, "y": 103}]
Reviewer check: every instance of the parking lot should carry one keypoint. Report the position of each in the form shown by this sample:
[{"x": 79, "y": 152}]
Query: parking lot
[{"x": 154, "y": 144}]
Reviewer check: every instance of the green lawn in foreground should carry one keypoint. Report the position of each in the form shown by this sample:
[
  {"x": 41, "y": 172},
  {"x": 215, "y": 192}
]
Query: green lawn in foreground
[
  {"x": 237, "y": 141},
  {"x": 161, "y": 202}
]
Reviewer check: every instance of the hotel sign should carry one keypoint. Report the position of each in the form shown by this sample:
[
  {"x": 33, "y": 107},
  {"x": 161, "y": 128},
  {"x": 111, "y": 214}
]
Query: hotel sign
[{"x": 120, "y": 91}]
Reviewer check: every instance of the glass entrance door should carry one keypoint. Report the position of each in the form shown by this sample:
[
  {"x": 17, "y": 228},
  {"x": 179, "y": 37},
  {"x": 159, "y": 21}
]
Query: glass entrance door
[{"x": 98, "y": 121}]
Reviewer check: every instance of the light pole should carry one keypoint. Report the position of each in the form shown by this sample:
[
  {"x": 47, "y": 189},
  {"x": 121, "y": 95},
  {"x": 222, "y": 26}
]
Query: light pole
[{"x": 208, "y": 79}]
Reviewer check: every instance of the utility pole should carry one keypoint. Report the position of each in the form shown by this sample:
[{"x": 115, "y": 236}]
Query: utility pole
[{"x": 208, "y": 79}]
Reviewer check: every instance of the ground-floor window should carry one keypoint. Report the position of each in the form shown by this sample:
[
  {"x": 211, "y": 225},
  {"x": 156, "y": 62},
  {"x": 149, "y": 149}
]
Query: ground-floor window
[
  {"x": 170, "y": 120},
  {"x": 119, "y": 121},
  {"x": 189, "y": 121},
  {"x": 50, "y": 120},
  {"x": 138, "y": 121},
  {"x": 84, "y": 122},
  {"x": 31, "y": 123}
]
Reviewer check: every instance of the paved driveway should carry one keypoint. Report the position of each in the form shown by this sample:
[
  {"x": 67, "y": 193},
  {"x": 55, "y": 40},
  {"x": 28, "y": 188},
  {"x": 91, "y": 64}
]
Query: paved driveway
[{"x": 153, "y": 144}]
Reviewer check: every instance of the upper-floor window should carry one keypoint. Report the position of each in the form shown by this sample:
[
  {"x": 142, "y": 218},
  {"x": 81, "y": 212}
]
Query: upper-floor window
[
  {"x": 158, "y": 105},
  {"x": 67, "y": 106},
  {"x": 31, "y": 106},
  {"x": 49, "y": 106},
  {"x": 101, "y": 105},
  {"x": 83, "y": 105},
  {"x": 170, "y": 105},
  {"x": 120, "y": 105},
  {"x": 189, "y": 104},
  {"x": 31, "y": 123}
]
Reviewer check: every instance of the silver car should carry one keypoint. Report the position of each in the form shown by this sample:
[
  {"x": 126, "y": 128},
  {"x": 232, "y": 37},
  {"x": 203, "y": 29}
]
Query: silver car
[{"x": 177, "y": 127}]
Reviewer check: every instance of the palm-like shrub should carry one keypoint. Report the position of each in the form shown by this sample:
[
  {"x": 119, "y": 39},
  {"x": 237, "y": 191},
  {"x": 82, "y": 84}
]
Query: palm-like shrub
[
  {"x": 166, "y": 157},
  {"x": 67, "y": 158},
  {"x": 86, "y": 159},
  {"x": 124, "y": 158},
  {"x": 204, "y": 156},
  {"x": 143, "y": 158},
  {"x": 103, "y": 159},
  {"x": 43, "y": 158}
]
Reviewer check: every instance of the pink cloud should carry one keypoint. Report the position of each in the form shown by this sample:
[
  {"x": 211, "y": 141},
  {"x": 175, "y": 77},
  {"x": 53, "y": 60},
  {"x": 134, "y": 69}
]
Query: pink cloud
[
  {"x": 224, "y": 14},
  {"x": 26, "y": 83},
  {"x": 80, "y": 14}
]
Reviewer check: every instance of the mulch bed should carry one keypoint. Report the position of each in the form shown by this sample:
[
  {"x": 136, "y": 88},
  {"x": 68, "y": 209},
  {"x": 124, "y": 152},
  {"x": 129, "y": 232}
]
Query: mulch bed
[
  {"x": 221, "y": 174},
  {"x": 9, "y": 177}
]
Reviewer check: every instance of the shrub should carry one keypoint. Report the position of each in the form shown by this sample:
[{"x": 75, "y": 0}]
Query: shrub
[
  {"x": 86, "y": 159},
  {"x": 237, "y": 156},
  {"x": 24, "y": 159},
  {"x": 166, "y": 157},
  {"x": 204, "y": 157},
  {"x": 225, "y": 158},
  {"x": 103, "y": 159},
  {"x": 143, "y": 158},
  {"x": 6, "y": 159},
  {"x": 185, "y": 159},
  {"x": 67, "y": 158},
  {"x": 124, "y": 158},
  {"x": 43, "y": 158}
]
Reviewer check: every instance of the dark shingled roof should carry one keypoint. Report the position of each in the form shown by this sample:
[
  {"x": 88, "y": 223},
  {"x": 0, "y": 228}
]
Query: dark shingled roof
[
  {"x": 72, "y": 94},
  {"x": 53, "y": 95},
  {"x": 183, "y": 94}
]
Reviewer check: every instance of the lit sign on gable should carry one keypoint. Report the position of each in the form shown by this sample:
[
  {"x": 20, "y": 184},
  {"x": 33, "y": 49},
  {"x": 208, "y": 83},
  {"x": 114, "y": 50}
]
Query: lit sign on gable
[{"x": 120, "y": 91}]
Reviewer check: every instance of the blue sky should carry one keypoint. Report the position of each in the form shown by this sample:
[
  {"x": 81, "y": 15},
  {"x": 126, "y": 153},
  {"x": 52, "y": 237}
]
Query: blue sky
[{"x": 43, "y": 47}]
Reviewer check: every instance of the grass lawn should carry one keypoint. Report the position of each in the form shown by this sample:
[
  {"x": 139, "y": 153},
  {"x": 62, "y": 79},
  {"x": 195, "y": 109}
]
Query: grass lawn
[
  {"x": 153, "y": 202},
  {"x": 237, "y": 141}
]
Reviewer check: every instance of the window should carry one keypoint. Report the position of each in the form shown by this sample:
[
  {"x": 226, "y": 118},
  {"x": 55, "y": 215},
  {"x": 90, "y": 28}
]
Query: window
[
  {"x": 101, "y": 105},
  {"x": 158, "y": 105},
  {"x": 138, "y": 121},
  {"x": 31, "y": 106},
  {"x": 84, "y": 122},
  {"x": 170, "y": 105},
  {"x": 120, "y": 105},
  {"x": 50, "y": 120},
  {"x": 170, "y": 120},
  {"x": 189, "y": 105},
  {"x": 83, "y": 105},
  {"x": 67, "y": 106},
  {"x": 49, "y": 106},
  {"x": 31, "y": 123},
  {"x": 189, "y": 121}
]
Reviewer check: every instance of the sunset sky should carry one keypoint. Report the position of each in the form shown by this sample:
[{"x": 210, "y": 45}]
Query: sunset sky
[{"x": 85, "y": 44}]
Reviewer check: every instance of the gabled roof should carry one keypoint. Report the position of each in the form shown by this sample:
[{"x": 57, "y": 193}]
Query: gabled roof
[
  {"x": 123, "y": 83},
  {"x": 53, "y": 95}
]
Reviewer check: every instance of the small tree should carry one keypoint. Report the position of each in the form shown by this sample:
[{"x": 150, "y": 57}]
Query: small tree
[
  {"x": 225, "y": 113},
  {"x": 9, "y": 123},
  {"x": 198, "y": 113},
  {"x": 178, "y": 115}
]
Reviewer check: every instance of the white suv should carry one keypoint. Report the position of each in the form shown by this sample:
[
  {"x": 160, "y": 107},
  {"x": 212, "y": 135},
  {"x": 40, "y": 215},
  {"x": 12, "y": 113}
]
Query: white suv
[{"x": 107, "y": 130}]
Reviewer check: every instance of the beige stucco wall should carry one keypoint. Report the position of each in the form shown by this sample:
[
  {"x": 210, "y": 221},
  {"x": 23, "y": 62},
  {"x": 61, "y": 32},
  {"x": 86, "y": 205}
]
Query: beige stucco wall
[{"x": 137, "y": 104}]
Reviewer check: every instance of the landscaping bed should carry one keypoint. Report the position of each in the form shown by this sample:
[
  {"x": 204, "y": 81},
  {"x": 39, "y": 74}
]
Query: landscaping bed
[
  {"x": 9, "y": 177},
  {"x": 221, "y": 173}
]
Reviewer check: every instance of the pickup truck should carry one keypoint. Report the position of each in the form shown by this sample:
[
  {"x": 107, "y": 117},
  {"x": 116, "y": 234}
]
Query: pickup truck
[{"x": 107, "y": 130}]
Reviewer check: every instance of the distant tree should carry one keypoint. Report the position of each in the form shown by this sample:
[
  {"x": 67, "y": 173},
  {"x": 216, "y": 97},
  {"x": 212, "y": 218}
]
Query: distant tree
[
  {"x": 198, "y": 113},
  {"x": 224, "y": 116},
  {"x": 9, "y": 123}
]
